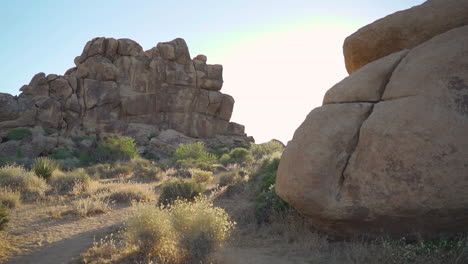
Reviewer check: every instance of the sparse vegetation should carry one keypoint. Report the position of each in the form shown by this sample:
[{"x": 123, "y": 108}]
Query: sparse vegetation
[
  {"x": 18, "y": 179},
  {"x": 193, "y": 156},
  {"x": 116, "y": 148},
  {"x": 89, "y": 206},
  {"x": 129, "y": 192},
  {"x": 201, "y": 176},
  {"x": 265, "y": 149},
  {"x": 180, "y": 189},
  {"x": 4, "y": 217},
  {"x": 182, "y": 233},
  {"x": 72, "y": 182},
  {"x": 9, "y": 198},
  {"x": 229, "y": 178},
  {"x": 238, "y": 156},
  {"x": 44, "y": 167},
  {"x": 18, "y": 134},
  {"x": 62, "y": 154}
]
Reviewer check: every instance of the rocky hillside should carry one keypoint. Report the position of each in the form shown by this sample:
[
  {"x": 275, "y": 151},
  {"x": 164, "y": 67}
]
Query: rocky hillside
[
  {"x": 118, "y": 88},
  {"x": 387, "y": 153}
]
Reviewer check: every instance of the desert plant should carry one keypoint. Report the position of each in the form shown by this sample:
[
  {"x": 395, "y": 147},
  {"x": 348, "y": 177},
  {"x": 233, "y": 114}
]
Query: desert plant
[
  {"x": 193, "y": 156},
  {"x": 62, "y": 153},
  {"x": 240, "y": 155},
  {"x": 186, "y": 232},
  {"x": 129, "y": 192},
  {"x": 89, "y": 206},
  {"x": 9, "y": 198},
  {"x": 201, "y": 176},
  {"x": 268, "y": 148},
  {"x": 229, "y": 178},
  {"x": 18, "y": 134},
  {"x": 44, "y": 167},
  {"x": 180, "y": 189},
  {"x": 116, "y": 148},
  {"x": 4, "y": 217},
  {"x": 18, "y": 179},
  {"x": 73, "y": 182}
]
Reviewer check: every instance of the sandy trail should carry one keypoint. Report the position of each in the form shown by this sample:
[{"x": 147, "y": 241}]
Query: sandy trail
[{"x": 41, "y": 240}]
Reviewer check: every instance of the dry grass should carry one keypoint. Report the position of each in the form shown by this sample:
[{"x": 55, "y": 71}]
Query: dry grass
[
  {"x": 201, "y": 176},
  {"x": 130, "y": 192},
  {"x": 18, "y": 179},
  {"x": 74, "y": 182},
  {"x": 10, "y": 198},
  {"x": 90, "y": 206}
]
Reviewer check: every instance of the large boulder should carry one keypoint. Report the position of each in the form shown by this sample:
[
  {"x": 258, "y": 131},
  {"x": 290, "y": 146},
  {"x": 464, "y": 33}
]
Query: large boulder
[
  {"x": 387, "y": 153},
  {"x": 117, "y": 88},
  {"x": 403, "y": 30}
]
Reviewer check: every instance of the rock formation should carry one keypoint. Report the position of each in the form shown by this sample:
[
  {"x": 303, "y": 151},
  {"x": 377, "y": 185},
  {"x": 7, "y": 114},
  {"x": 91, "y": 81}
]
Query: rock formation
[
  {"x": 403, "y": 30},
  {"x": 118, "y": 88},
  {"x": 387, "y": 153}
]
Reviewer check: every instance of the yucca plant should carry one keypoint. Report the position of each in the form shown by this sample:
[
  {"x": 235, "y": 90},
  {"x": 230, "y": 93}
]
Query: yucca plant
[{"x": 44, "y": 167}]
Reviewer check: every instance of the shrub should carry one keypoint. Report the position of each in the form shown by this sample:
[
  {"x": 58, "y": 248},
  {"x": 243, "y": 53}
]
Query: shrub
[
  {"x": 225, "y": 159},
  {"x": 73, "y": 182},
  {"x": 4, "y": 217},
  {"x": 85, "y": 207},
  {"x": 18, "y": 134},
  {"x": 240, "y": 155},
  {"x": 116, "y": 148},
  {"x": 131, "y": 192},
  {"x": 229, "y": 178},
  {"x": 18, "y": 179},
  {"x": 180, "y": 189},
  {"x": 201, "y": 176},
  {"x": 62, "y": 153},
  {"x": 182, "y": 233},
  {"x": 193, "y": 156},
  {"x": 44, "y": 167},
  {"x": 9, "y": 198},
  {"x": 202, "y": 228},
  {"x": 267, "y": 201},
  {"x": 261, "y": 150}
]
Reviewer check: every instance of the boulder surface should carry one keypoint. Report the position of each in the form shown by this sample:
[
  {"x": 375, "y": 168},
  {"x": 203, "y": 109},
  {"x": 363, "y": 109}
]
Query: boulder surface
[{"x": 387, "y": 153}]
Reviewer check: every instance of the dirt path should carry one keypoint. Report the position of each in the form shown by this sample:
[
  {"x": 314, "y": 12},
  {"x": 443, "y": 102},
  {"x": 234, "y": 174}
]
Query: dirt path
[{"x": 36, "y": 238}]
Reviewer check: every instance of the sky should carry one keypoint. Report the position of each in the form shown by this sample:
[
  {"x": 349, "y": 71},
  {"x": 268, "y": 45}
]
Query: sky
[{"x": 279, "y": 57}]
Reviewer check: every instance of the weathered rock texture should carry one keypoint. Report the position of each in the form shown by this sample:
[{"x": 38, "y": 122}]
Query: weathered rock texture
[
  {"x": 387, "y": 153},
  {"x": 403, "y": 30},
  {"x": 118, "y": 88}
]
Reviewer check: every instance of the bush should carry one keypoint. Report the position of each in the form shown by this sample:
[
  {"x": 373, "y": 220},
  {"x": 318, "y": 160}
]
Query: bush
[
  {"x": 229, "y": 178},
  {"x": 44, "y": 167},
  {"x": 201, "y": 176},
  {"x": 180, "y": 189},
  {"x": 18, "y": 134},
  {"x": 73, "y": 182},
  {"x": 193, "y": 156},
  {"x": 237, "y": 155},
  {"x": 131, "y": 192},
  {"x": 18, "y": 179},
  {"x": 62, "y": 153},
  {"x": 4, "y": 217},
  {"x": 183, "y": 233},
  {"x": 9, "y": 198},
  {"x": 261, "y": 150},
  {"x": 116, "y": 148},
  {"x": 89, "y": 206},
  {"x": 267, "y": 201}
]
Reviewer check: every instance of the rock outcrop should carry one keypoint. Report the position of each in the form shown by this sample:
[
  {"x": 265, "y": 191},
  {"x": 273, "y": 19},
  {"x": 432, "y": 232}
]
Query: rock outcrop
[
  {"x": 118, "y": 88},
  {"x": 387, "y": 153},
  {"x": 403, "y": 30}
]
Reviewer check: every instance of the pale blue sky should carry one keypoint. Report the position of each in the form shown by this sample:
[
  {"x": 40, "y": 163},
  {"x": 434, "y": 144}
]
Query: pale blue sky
[{"x": 45, "y": 36}]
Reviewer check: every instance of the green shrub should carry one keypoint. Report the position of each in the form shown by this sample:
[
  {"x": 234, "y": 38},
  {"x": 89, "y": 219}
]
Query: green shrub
[
  {"x": 62, "y": 153},
  {"x": 238, "y": 155},
  {"x": 44, "y": 167},
  {"x": 229, "y": 178},
  {"x": 201, "y": 176},
  {"x": 261, "y": 150},
  {"x": 267, "y": 201},
  {"x": 74, "y": 182},
  {"x": 182, "y": 233},
  {"x": 116, "y": 148},
  {"x": 193, "y": 156},
  {"x": 4, "y": 217},
  {"x": 225, "y": 159},
  {"x": 18, "y": 179},
  {"x": 180, "y": 189},
  {"x": 18, "y": 134}
]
